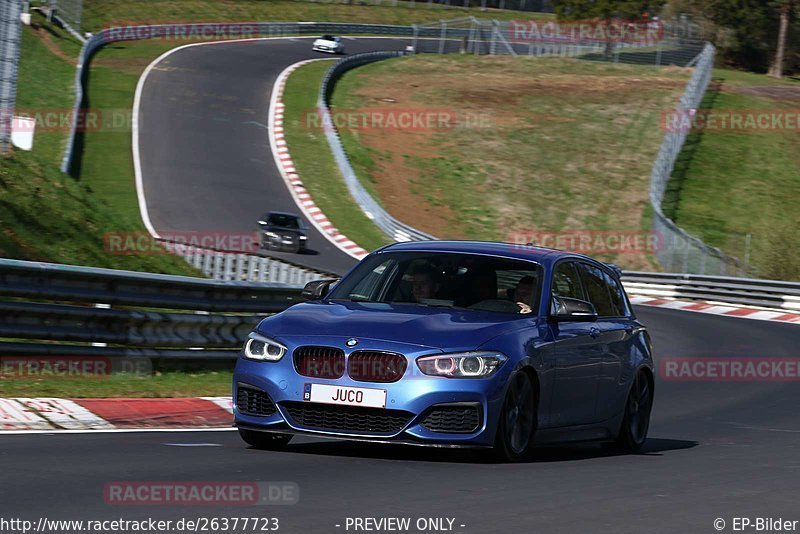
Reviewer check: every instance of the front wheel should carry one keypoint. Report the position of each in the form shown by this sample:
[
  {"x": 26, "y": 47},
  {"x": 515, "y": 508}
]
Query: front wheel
[
  {"x": 636, "y": 421},
  {"x": 265, "y": 440},
  {"x": 518, "y": 421}
]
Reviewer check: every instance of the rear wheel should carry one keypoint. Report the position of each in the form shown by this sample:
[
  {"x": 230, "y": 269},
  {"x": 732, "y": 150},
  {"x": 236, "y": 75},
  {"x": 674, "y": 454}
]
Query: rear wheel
[
  {"x": 518, "y": 421},
  {"x": 265, "y": 440},
  {"x": 636, "y": 421}
]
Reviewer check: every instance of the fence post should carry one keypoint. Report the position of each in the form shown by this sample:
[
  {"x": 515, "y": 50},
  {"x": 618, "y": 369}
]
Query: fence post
[
  {"x": 443, "y": 37},
  {"x": 658, "y": 54},
  {"x": 10, "y": 30}
]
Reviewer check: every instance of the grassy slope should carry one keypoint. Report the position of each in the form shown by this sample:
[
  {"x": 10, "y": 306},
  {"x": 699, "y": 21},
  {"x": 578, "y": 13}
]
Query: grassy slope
[
  {"x": 729, "y": 184},
  {"x": 100, "y": 13},
  {"x": 560, "y": 148},
  {"x": 314, "y": 161},
  {"x": 167, "y": 384},
  {"x": 47, "y": 216}
]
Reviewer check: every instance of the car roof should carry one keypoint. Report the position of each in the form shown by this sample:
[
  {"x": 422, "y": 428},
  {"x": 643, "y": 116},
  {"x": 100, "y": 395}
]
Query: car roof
[
  {"x": 541, "y": 255},
  {"x": 283, "y": 213}
]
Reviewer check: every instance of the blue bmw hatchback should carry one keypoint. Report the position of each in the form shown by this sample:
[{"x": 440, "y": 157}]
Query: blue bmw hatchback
[{"x": 453, "y": 344}]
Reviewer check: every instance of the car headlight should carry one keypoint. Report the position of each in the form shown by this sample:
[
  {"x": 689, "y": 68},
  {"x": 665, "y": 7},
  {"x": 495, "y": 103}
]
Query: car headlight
[
  {"x": 303, "y": 238},
  {"x": 271, "y": 234},
  {"x": 258, "y": 347},
  {"x": 462, "y": 364}
]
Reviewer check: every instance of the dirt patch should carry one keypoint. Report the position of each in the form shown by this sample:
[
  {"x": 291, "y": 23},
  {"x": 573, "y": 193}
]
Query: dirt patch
[
  {"x": 49, "y": 42},
  {"x": 401, "y": 187},
  {"x": 791, "y": 94},
  {"x": 563, "y": 147}
]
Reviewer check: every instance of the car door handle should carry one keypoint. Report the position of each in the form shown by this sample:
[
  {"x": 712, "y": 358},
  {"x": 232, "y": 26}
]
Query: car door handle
[{"x": 594, "y": 332}]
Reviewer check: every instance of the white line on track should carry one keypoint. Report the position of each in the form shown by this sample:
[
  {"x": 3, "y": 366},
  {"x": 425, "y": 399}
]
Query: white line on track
[{"x": 137, "y": 164}]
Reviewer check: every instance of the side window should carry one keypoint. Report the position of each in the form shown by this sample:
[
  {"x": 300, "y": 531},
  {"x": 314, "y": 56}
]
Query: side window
[
  {"x": 598, "y": 290},
  {"x": 617, "y": 298},
  {"x": 566, "y": 282}
]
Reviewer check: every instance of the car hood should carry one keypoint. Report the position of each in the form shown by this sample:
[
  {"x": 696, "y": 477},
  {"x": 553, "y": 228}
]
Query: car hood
[{"x": 446, "y": 329}]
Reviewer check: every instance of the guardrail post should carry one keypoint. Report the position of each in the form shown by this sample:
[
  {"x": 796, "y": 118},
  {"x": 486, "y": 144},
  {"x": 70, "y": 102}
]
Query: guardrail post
[
  {"x": 228, "y": 268},
  {"x": 272, "y": 272},
  {"x": 218, "y": 267},
  {"x": 240, "y": 261},
  {"x": 251, "y": 268}
]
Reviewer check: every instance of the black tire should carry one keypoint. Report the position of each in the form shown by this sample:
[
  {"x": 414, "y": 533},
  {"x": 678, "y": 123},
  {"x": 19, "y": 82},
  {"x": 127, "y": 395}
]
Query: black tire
[
  {"x": 636, "y": 422},
  {"x": 516, "y": 428},
  {"x": 265, "y": 440}
]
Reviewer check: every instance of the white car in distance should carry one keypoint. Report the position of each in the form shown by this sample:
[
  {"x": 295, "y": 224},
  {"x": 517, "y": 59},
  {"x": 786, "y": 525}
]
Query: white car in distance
[{"x": 329, "y": 44}]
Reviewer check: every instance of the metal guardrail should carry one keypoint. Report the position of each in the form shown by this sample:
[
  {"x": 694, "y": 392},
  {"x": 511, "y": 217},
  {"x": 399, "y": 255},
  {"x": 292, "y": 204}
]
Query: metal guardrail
[
  {"x": 682, "y": 250},
  {"x": 10, "y": 32},
  {"x": 227, "y": 265},
  {"x": 184, "y": 32},
  {"x": 745, "y": 291},
  {"x": 395, "y": 229},
  {"x": 218, "y": 266},
  {"x": 62, "y": 310},
  {"x": 138, "y": 314}
]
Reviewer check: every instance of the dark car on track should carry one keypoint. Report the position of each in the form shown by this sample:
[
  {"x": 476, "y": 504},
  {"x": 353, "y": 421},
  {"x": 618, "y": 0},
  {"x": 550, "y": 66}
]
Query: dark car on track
[
  {"x": 283, "y": 231},
  {"x": 453, "y": 344}
]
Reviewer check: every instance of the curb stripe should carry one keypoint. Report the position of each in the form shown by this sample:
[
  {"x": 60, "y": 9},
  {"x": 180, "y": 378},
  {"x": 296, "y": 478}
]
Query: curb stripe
[{"x": 728, "y": 310}]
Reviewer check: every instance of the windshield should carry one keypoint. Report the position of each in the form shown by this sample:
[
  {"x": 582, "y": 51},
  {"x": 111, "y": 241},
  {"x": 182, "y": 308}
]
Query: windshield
[
  {"x": 450, "y": 280},
  {"x": 284, "y": 221}
]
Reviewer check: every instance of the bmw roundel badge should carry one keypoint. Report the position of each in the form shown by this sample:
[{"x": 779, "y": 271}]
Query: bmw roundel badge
[{"x": 352, "y": 342}]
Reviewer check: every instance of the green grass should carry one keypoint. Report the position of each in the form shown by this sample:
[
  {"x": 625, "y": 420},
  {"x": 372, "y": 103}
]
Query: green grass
[
  {"x": 728, "y": 184},
  {"x": 46, "y": 215},
  {"x": 107, "y": 158},
  {"x": 98, "y": 14},
  {"x": 546, "y": 144},
  {"x": 314, "y": 161},
  {"x": 166, "y": 384}
]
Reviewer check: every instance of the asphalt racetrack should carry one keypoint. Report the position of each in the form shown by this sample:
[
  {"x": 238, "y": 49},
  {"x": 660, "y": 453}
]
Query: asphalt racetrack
[
  {"x": 205, "y": 156},
  {"x": 716, "y": 450}
]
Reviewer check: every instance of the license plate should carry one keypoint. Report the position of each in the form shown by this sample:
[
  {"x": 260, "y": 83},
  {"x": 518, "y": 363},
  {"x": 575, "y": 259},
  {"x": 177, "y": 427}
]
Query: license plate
[{"x": 326, "y": 394}]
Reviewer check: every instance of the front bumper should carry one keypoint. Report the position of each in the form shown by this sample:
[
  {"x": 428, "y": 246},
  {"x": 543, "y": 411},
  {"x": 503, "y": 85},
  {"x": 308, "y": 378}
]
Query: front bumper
[
  {"x": 283, "y": 243},
  {"x": 411, "y": 399}
]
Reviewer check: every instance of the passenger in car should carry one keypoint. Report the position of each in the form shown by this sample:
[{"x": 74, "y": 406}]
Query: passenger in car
[
  {"x": 523, "y": 294},
  {"x": 425, "y": 284}
]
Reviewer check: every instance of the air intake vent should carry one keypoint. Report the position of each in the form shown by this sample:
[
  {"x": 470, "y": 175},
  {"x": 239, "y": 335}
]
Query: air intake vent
[
  {"x": 374, "y": 366},
  {"x": 319, "y": 362}
]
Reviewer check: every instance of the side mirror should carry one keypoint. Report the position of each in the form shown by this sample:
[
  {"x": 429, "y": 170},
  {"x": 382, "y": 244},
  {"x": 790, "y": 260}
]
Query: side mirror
[
  {"x": 317, "y": 289},
  {"x": 569, "y": 309}
]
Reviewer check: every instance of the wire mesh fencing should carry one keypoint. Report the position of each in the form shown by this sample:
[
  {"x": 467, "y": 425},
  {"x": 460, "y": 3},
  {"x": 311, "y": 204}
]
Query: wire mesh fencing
[
  {"x": 648, "y": 42},
  {"x": 541, "y": 6},
  {"x": 10, "y": 28}
]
